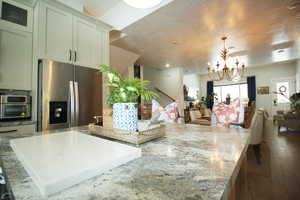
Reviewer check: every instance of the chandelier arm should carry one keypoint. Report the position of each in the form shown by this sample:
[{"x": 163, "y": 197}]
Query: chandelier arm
[
  {"x": 220, "y": 75},
  {"x": 226, "y": 74},
  {"x": 217, "y": 76},
  {"x": 233, "y": 75},
  {"x": 211, "y": 76},
  {"x": 241, "y": 72}
]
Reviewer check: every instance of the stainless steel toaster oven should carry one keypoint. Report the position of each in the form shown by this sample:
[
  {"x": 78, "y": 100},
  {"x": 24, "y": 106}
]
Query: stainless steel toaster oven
[{"x": 15, "y": 107}]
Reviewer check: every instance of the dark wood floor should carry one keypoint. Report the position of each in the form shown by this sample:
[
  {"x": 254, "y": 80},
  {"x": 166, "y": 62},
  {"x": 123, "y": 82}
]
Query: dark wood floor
[{"x": 278, "y": 175}]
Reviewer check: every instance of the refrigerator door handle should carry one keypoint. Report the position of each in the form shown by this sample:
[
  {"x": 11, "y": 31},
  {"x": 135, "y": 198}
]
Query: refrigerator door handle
[
  {"x": 76, "y": 103},
  {"x": 72, "y": 103}
]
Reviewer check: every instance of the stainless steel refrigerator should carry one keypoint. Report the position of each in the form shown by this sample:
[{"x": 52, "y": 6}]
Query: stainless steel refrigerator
[{"x": 68, "y": 95}]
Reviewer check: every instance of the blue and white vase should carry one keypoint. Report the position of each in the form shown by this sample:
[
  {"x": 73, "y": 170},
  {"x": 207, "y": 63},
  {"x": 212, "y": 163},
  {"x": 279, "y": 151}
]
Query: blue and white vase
[{"x": 125, "y": 116}]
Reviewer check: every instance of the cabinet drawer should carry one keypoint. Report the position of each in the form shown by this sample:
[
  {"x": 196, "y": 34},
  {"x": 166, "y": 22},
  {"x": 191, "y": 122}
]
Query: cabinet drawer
[{"x": 18, "y": 129}]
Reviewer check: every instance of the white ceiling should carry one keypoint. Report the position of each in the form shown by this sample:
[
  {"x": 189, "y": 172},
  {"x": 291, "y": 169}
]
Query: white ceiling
[
  {"x": 258, "y": 29},
  {"x": 114, "y": 12}
]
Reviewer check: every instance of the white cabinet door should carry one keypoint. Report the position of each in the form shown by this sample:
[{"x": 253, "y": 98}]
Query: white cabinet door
[
  {"x": 56, "y": 34},
  {"x": 99, "y": 43},
  {"x": 15, "y": 60},
  {"x": 85, "y": 43},
  {"x": 103, "y": 55}
]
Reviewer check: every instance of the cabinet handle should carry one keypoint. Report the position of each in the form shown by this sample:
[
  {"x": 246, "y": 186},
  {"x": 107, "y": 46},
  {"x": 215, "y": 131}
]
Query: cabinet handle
[
  {"x": 9, "y": 131},
  {"x": 70, "y": 55},
  {"x": 75, "y": 59}
]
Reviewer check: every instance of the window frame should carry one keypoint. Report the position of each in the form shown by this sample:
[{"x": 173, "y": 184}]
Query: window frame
[{"x": 222, "y": 85}]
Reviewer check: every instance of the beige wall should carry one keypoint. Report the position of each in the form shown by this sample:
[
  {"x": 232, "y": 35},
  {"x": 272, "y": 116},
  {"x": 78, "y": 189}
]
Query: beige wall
[
  {"x": 122, "y": 60},
  {"x": 264, "y": 75},
  {"x": 168, "y": 80}
]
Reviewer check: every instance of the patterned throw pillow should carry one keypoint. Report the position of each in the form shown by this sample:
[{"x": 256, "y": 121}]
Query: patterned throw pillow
[
  {"x": 224, "y": 114},
  {"x": 168, "y": 114}
]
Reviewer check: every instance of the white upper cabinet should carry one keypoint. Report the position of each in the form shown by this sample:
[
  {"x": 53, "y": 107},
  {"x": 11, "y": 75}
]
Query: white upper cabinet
[
  {"x": 56, "y": 34},
  {"x": 15, "y": 60},
  {"x": 85, "y": 43},
  {"x": 69, "y": 37},
  {"x": 17, "y": 16}
]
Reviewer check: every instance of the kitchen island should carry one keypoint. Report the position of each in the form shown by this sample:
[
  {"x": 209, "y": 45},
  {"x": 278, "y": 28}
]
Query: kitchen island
[{"x": 190, "y": 162}]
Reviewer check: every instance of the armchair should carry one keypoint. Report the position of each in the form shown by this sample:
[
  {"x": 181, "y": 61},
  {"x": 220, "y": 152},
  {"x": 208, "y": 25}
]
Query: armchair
[
  {"x": 288, "y": 120},
  {"x": 257, "y": 127},
  {"x": 198, "y": 118},
  {"x": 257, "y": 132}
]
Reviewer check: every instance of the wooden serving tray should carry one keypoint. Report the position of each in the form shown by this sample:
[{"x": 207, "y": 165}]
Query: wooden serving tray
[{"x": 133, "y": 137}]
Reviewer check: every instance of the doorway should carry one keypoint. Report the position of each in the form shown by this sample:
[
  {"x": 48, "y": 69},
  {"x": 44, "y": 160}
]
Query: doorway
[{"x": 282, "y": 89}]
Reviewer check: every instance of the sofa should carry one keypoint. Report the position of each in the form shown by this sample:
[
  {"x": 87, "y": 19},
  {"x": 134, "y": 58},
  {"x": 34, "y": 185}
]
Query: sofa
[{"x": 290, "y": 121}]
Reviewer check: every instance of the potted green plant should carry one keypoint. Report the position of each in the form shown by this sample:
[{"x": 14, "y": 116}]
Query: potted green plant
[
  {"x": 209, "y": 100},
  {"x": 123, "y": 97},
  {"x": 295, "y": 103}
]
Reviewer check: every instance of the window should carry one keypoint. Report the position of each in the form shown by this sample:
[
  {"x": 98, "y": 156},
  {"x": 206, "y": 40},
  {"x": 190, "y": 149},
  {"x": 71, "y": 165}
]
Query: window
[
  {"x": 235, "y": 91},
  {"x": 193, "y": 93},
  {"x": 284, "y": 90},
  {"x": 217, "y": 90}
]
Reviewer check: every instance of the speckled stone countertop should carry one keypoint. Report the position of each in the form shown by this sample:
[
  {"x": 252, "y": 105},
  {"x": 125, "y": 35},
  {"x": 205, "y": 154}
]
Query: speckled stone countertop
[
  {"x": 191, "y": 162},
  {"x": 16, "y": 123}
]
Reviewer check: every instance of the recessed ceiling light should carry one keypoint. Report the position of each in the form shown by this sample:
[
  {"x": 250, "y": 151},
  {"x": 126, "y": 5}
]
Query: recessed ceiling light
[
  {"x": 142, "y": 3},
  {"x": 167, "y": 65}
]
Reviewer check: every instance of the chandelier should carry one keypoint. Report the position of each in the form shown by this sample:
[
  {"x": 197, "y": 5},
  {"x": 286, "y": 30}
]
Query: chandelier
[{"x": 233, "y": 73}]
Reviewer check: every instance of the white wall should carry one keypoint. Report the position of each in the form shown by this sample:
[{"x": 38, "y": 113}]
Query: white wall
[
  {"x": 122, "y": 60},
  {"x": 191, "y": 80},
  {"x": 168, "y": 80},
  {"x": 264, "y": 75}
]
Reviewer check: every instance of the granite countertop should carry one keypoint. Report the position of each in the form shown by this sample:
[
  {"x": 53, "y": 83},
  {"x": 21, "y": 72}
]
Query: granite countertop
[
  {"x": 190, "y": 162},
  {"x": 16, "y": 123}
]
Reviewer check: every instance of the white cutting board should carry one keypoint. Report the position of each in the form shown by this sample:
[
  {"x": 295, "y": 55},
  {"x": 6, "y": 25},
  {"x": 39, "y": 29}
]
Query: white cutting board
[{"x": 58, "y": 161}]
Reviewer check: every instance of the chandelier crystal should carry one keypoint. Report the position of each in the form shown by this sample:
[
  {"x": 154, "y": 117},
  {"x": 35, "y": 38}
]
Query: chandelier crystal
[{"x": 233, "y": 73}]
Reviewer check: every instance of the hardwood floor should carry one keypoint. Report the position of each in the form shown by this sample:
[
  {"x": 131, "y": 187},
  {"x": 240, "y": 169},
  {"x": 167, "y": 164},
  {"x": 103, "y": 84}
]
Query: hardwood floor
[{"x": 278, "y": 175}]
